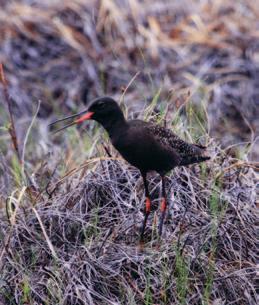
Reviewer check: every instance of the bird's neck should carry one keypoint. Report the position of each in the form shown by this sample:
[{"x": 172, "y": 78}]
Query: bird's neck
[{"x": 115, "y": 125}]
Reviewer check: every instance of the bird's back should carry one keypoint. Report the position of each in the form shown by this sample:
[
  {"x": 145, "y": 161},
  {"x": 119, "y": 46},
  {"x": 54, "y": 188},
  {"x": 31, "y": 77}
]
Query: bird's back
[
  {"x": 141, "y": 148},
  {"x": 187, "y": 152},
  {"x": 153, "y": 147}
]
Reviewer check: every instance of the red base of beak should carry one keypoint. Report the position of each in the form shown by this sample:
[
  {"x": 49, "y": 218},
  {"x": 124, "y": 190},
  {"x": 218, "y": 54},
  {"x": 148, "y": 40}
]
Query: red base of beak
[{"x": 85, "y": 117}]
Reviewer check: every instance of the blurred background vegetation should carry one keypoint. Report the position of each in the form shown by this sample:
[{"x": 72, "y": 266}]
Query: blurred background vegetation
[
  {"x": 64, "y": 53},
  {"x": 192, "y": 65}
]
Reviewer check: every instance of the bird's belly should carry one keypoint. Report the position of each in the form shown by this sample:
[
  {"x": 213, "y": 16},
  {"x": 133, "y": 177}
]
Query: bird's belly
[{"x": 146, "y": 157}]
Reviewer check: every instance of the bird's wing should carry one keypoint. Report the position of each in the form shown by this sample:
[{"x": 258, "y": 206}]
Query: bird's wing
[{"x": 170, "y": 139}]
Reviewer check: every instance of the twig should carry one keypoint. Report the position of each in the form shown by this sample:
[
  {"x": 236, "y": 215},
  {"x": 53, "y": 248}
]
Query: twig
[
  {"x": 107, "y": 150},
  {"x": 129, "y": 84},
  {"x": 54, "y": 254},
  {"x": 11, "y": 129},
  {"x": 27, "y": 135},
  {"x": 48, "y": 184},
  {"x": 104, "y": 241}
]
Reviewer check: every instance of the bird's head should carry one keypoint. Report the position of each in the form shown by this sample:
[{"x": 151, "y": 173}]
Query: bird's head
[{"x": 103, "y": 110}]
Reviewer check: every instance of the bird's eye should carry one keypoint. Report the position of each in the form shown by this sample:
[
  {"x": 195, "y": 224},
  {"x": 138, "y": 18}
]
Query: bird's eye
[{"x": 101, "y": 104}]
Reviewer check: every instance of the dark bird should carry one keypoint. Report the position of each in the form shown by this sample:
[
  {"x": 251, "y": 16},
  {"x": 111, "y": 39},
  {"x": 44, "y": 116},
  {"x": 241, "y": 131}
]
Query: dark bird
[{"x": 147, "y": 146}]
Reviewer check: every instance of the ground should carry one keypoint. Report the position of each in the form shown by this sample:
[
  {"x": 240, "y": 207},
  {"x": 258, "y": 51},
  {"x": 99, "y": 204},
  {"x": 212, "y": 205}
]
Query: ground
[{"x": 71, "y": 208}]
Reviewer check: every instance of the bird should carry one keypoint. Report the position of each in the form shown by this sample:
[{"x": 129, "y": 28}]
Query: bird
[{"x": 145, "y": 145}]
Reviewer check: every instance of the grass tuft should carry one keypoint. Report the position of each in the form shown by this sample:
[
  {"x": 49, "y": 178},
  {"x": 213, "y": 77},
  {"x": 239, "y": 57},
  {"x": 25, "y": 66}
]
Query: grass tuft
[{"x": 88, "y": 232}]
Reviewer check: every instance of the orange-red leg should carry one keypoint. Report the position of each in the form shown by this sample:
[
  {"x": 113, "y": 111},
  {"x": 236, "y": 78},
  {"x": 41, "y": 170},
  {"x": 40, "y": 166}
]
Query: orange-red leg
[{"x": 162, "y": 207}]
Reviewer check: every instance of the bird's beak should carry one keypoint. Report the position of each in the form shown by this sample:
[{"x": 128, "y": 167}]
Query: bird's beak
[
  {"x": 80, "y": 117},
  {"x": 84, "y": 117}
]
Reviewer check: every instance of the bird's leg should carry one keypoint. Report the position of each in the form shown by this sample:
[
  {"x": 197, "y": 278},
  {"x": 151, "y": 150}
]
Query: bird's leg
[
  {"x": 147, "y": 205},
  {"x": 163, "y": 206}
]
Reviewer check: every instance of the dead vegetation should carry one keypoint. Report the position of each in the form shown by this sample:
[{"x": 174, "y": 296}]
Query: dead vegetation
[
  {"x": 67, "y": 52},
  {"x": 80, "y": 246},
  {"x": 69, "y": 215}
]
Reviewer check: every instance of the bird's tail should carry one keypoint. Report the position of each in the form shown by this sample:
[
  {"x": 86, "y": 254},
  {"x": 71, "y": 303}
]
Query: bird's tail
[{"x": 194, "y": 159}]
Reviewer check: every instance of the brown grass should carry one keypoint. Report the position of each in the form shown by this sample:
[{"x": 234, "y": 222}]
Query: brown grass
[
  {"x": 70, "y": 227},
  {"x": 80, "y": 246}
]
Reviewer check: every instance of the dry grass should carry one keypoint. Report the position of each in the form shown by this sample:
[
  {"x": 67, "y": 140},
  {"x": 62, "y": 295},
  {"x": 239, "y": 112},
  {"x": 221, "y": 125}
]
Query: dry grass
[
  {"x": 64, "y": 53},
  {"x": 81, "y": 245},
  {"x": 70, "y": 216}
]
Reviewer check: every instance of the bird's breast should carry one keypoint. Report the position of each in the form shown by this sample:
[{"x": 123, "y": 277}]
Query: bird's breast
[{"x": 143, "y": 152}]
